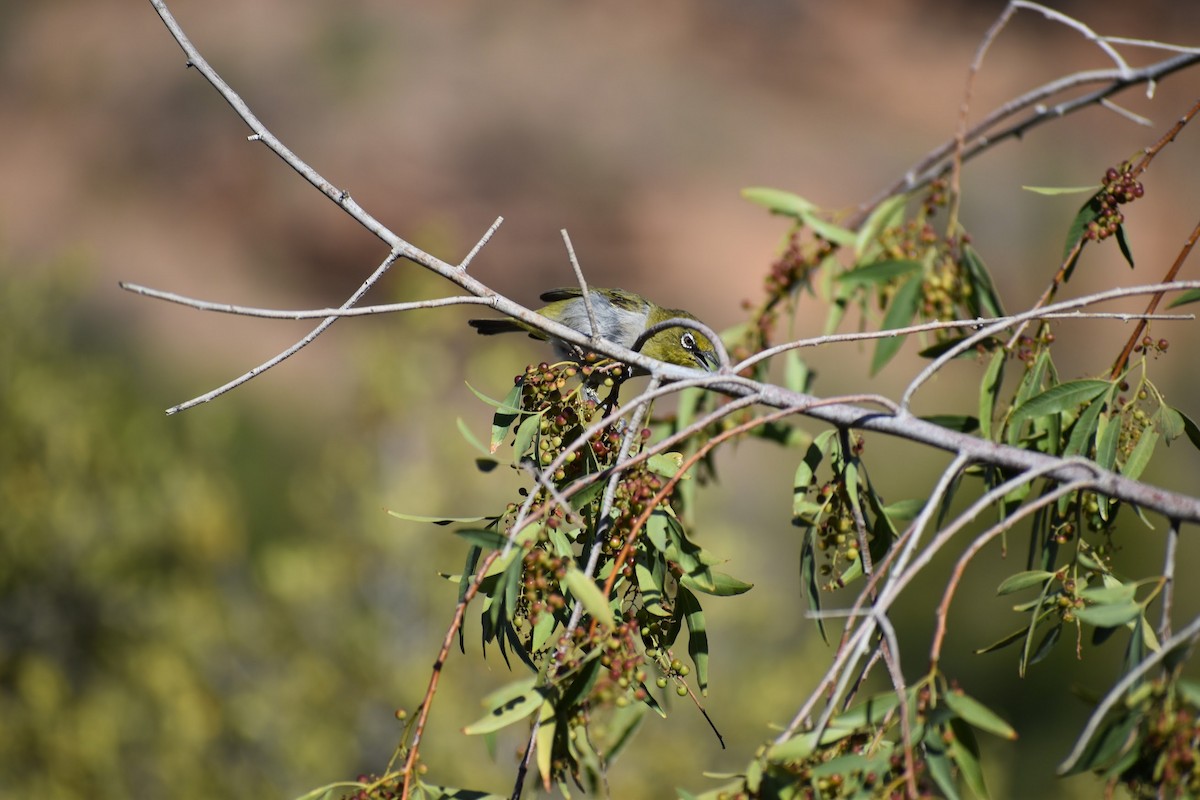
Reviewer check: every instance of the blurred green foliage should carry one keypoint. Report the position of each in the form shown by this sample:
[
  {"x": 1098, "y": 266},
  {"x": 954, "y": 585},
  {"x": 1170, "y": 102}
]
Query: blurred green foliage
[{"x": 180, "y": 612}]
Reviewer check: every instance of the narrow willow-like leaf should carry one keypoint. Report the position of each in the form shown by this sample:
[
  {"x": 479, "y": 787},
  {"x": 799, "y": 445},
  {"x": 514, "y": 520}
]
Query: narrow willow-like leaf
[
  {"x": 964, "y": 749},
  {"x": 808, "y": 581},
  {"x": 1190, "y": 296},
  {"x": 588, "y": 593},
  {"x": 718, "y": 584},
  {"x": 1088, "y": 213},
  {"x": 485, "y": 539},
  {"x": 469, "y": 437},
  {"x": 547, "y": 729},
  {"x": 983, "y": 299},
  {"x": 1083, "y": 432},
  {"x": 526, "y": 432},
  {"x": 436, "y": 520},
  {"x": 508, "y": 704},
  {"x": 796, "y": 375},
  {"x": 902, "y": 309},
  {"x": 1140, "y": 457},
  {"x": 989, "y": 392},
  {"x": 1109, "y": 615},
  {"x": 886, "y": 215},
  {"x": 777, "y": 201},
  {"x": 828, "y": 230},
  {"x": 693, "y": 615},
  {"x": 1123, "y": 243},
  {"x": 1046, "y": 645},
  {"x": 1057, "y": 399},
  {"x": 1056, "y": 190},
  {"x": 1023, "y": 580},
  {"x": 940, "y": 766},
  {"x": 978, "y": 715},
  {"x": 880, "y": 273},
  {"x": 1171, "y": 423}
]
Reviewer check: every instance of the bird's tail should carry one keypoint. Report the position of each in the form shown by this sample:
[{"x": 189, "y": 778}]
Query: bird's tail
[{"x": 488, "y": 327}]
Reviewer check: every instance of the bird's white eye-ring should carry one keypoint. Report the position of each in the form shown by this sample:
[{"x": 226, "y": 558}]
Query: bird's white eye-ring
[{"x": 687, "y": 341}]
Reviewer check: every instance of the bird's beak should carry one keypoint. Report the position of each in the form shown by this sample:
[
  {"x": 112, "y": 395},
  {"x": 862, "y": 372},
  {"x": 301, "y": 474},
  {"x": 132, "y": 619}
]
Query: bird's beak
[{"x": 708, "y": 360}]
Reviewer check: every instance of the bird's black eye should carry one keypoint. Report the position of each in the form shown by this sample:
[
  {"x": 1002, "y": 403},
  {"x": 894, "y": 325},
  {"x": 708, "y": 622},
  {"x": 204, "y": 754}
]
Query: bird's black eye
[{"x": 688, "y": 342}]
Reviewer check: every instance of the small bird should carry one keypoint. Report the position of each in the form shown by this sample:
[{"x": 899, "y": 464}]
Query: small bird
[{"x": 621, "y": 317}]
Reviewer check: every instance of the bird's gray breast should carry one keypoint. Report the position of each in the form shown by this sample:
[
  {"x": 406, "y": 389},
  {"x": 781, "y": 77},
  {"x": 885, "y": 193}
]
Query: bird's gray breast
[{"x": 617, "y": 324}]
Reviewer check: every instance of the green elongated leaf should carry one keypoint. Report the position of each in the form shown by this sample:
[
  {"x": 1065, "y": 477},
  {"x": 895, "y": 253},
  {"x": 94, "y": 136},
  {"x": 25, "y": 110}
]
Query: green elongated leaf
[
  {"x": 1004, "y": 641},
  {"x": 693, "y": 615},
  {"x": 579, "y": 688},
  {"x": 716, "y": 583},
  {"x": 1107, "y": 745},
  {"x": 1190, "y": 428},
  {"x": 482, "y": 538},
  {"x": 1190, "y": 296},
  {"x": 526, "y": 432},
  {"x": 900, "y": 313},
  {"x": 1171, "y": 423},
  {"x": 508, "y": 704},
  {"x": 547, "y": 728},
  {"x": 510, "y": 405},
  {"x": 437, "y": 520},
  {"x": 803, "y": 745},
  {"x": 808, "y": 581},
  {"x": 651, "y": 590},
  {"x": 880, "y": 272},
  {"x": 1023, "y": 580},
  {"x": 542, "y": 630},
  {"x": 983, "y": 298},
  {"x": 777, "y": 201},
  {"x": 886, "y": 215},
  {"x": 978, "y": 715},
  {"x": 873, "y": 711},
  {"x": 1109, "y": 433},
  {"x": 470, "y": 437},
  {"x": 1056, "y": 190},
  {"x": 989, "y": 392},
  {"x": 1083, "y": 432},
  {"x": 796, "y": 375},
  {"x": 507, "y": 412},
  {"x": 1105, "y": 595},
  {"x": 665, "y": 464},
  {"x": 1109, "y": 615},
  {"x": 1038, "y": 615},
  {"x": 1046, "y": 645},
  {"x": 1123, "y": 243},
  {"x": 1088, "y": 213},
  {"x": 828, "y": 230},
  {"x": 941, "y": 769},
  {"x": 965, "y": 750},
  {"x": 1140, "y": 457},
  {"x": 588, "y": 593},
  {"x": 1057, "y": 399},
  {"x": 904, "y": 510}
]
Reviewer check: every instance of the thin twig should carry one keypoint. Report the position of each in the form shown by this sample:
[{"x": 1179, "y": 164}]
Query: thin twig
[
  {"x": 1168, "y": 592},
  {"x": 307, "y": 313},
  {"x": 584, "y": 292}
]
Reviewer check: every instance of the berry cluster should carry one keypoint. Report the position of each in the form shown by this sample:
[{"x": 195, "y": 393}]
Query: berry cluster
[
  {"x": 541, "y": 583},
  {"x": 836, "y": 536},
  {"x": 1168, "y": 759},
  {"x": 635, "y": 492},
  {"x": 1028, "y": 347},
  {"x": 1120, "y": 187}
]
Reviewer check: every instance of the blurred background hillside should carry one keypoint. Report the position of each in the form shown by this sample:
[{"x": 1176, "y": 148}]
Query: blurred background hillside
[{"x": 215, "y": 603}]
